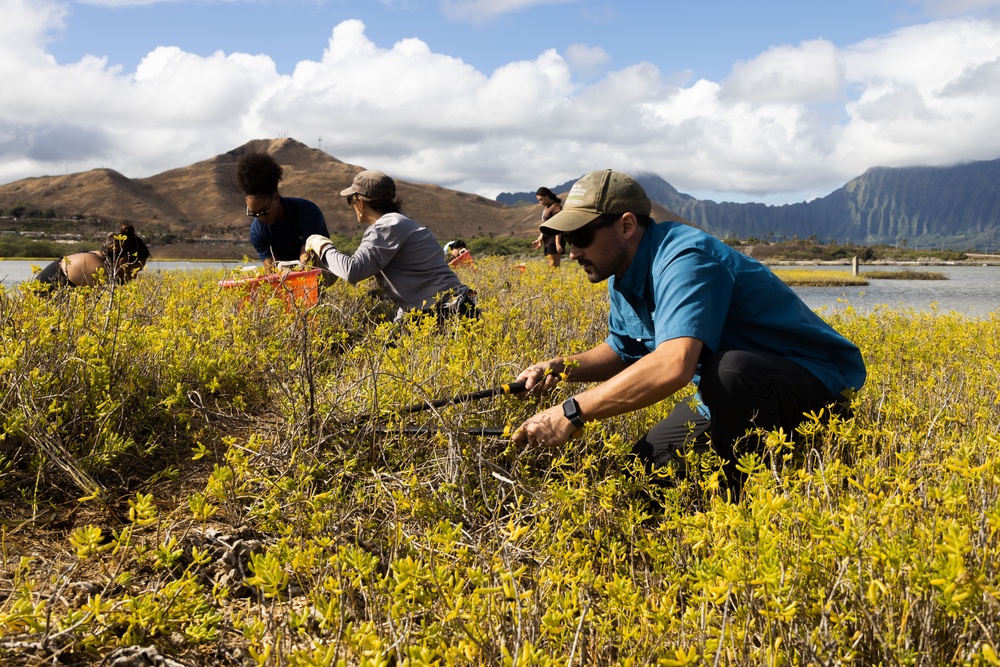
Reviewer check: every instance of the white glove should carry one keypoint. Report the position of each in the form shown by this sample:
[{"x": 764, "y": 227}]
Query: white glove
[{"x": 317, "y": 244}]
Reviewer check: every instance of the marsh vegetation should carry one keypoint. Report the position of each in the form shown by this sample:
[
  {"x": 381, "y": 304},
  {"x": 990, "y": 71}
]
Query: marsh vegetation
[{"x": 185, "y": 473}]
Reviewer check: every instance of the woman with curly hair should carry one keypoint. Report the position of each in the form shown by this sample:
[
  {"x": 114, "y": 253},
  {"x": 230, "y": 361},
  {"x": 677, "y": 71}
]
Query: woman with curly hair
[{"x": 280, "y": 225}]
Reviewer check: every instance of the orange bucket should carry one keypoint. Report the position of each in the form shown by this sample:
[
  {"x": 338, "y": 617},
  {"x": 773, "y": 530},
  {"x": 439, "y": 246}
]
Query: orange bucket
[{"x": 295, "y": 288}]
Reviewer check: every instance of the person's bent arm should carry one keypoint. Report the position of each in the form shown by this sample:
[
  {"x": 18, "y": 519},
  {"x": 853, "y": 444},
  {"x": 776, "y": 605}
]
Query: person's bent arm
[
  {"x": 596, "y": 364},
  {"x": 649, "y": 380},
  {"x": 668, "y": 369}
]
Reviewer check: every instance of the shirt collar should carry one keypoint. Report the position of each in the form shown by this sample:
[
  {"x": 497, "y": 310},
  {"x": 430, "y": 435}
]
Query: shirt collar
[{"x": 636, "y": 275}]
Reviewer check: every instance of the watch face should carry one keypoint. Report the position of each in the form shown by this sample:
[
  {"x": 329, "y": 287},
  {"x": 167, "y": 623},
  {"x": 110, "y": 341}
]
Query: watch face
[{"x": 571, "y": 410}]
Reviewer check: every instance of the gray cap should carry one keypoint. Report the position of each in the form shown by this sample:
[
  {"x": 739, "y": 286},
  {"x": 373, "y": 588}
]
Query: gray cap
[{"x": 371, "y": 184}]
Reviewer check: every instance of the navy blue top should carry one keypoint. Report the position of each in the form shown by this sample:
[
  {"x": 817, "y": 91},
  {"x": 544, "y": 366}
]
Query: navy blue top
[
  {"x": 283, "y": 241},
  {"x": 686, "y": 283}
]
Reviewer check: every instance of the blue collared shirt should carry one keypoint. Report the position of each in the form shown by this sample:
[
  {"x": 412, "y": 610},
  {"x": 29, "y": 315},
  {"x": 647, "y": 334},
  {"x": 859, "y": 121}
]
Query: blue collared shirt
[{"x": 683, "y": 282}]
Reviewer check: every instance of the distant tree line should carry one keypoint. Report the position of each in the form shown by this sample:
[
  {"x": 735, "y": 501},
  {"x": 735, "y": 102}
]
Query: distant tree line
[
  {"x": 503, "y": 246},
  {"x": 18, "y": 246},
  {"x": 794, "y": 249},
  {"x": 28, "y": 211},
  {"x": 814, "y": 250}
]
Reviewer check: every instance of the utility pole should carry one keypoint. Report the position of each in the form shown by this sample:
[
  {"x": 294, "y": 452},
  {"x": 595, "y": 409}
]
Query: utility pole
[{"x": 321, "y": 143}]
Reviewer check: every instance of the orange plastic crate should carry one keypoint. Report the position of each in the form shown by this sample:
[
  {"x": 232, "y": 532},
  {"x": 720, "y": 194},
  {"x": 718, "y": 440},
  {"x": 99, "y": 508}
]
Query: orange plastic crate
[
  {"x": 465, "y": 257},
  {"x": 296, "y": 288}
]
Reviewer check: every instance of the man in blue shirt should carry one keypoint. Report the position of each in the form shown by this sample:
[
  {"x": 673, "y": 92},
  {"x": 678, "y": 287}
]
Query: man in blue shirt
[
  {"x": 280, "y": 225},
  {"x": 686, "y": 307}
]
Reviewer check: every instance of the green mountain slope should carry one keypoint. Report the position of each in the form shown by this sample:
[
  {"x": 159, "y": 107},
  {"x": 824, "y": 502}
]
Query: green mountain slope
[{"x": 955, "y": 207}]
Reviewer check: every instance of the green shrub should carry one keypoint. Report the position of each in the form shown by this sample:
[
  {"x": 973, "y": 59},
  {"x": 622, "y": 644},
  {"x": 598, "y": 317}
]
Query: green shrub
[
  {"x": 19, "y": 246},
  {"x": 278, "y": 509}
]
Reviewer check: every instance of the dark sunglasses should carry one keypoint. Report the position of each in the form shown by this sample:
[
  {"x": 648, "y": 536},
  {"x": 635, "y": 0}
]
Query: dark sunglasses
[
  {"x": 263, "y": 211},
  {"x": 583, "y": 237}
]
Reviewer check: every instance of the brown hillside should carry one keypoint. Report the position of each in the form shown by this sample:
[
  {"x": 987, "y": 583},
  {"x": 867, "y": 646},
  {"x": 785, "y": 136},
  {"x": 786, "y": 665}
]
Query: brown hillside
[
  {"x": 100, "y": 192},
  {"x": 202, "y": 199}
]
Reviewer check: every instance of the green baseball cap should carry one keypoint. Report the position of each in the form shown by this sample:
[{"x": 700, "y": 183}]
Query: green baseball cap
[{"x": 596, "y": 194}]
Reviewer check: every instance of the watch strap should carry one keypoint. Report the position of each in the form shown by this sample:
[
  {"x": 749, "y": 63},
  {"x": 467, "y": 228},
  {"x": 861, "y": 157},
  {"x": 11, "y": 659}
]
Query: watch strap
[{"x": 571, "y": 410}]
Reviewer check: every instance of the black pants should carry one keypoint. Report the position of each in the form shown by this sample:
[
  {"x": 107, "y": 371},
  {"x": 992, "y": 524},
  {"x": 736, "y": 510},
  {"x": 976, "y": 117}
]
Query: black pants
[
  {"x": 743, "y": 391},
  {"x": 52, "y": 276},
  {"x": 463, "y": 304}
]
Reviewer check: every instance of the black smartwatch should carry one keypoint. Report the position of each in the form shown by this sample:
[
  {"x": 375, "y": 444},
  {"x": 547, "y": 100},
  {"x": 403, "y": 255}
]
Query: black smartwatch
[{"x": 571, "y": 410}]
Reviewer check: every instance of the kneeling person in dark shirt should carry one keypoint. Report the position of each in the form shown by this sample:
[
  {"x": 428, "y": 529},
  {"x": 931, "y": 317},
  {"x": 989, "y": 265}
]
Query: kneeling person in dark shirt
[{"x": 280, "y": 225}]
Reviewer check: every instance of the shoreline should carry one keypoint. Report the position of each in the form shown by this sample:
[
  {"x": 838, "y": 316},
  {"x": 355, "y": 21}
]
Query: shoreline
[
  {"x": 975, "y": 260},
  {"x": 987, "y": 260}
]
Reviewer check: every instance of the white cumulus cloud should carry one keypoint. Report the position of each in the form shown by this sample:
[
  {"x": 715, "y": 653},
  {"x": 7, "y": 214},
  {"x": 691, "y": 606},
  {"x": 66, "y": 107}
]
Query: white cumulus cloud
[
  {"x": 942, "y": 8},
  {"x": 810, "y": 72},
  {"x": 587, "y": 60}
]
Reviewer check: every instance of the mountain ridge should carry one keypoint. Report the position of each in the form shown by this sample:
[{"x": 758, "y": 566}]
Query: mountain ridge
[
  {"x": 957, "y": 206},
  {"x": 202, "y": 199}
]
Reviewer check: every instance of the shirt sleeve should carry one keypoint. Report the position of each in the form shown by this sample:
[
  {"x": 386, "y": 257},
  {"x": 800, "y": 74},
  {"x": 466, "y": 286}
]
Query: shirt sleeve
[{"x": 377, "y": 248}]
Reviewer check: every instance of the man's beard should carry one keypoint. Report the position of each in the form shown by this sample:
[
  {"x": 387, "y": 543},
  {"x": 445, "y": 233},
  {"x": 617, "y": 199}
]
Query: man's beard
[
  {"x": 593, "y": 273},
  {"x": 611, "y": 263}
]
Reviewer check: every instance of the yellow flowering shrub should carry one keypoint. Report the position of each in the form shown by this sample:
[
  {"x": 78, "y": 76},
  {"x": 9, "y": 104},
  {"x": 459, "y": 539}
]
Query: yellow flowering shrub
[{"x": 248, "y": 487}]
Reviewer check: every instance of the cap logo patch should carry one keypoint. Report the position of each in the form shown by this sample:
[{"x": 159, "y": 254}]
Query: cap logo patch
[{"x": 576, "y": 195}]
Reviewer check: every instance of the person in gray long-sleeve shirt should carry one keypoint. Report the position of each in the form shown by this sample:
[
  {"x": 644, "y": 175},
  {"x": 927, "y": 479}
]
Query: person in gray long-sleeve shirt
[{"x": 404, "y": 257}]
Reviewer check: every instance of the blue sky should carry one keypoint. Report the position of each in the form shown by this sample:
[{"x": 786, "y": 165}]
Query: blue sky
[
  {"x": 774, "y": 101},
  {"x": 704, "y": 38}
]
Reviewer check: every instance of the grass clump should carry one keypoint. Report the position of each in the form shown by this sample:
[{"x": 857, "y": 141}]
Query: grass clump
[
  {"x": 815, "y": 278},
  {"x": 906, "y": 274},
  {"x": 246, "y": 517}
]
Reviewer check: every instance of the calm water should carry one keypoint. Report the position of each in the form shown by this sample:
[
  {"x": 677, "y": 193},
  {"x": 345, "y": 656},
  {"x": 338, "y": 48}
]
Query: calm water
[
  {"x": 970, "y": 290},
  {"x": 13, "y": 271}
]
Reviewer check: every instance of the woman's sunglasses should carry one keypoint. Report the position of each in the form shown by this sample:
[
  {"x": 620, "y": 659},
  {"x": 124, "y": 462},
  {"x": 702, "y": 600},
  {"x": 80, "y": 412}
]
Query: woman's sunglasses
[
  {"x": 263, "y": 211},
  {"x": 583, "y": 237}
]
